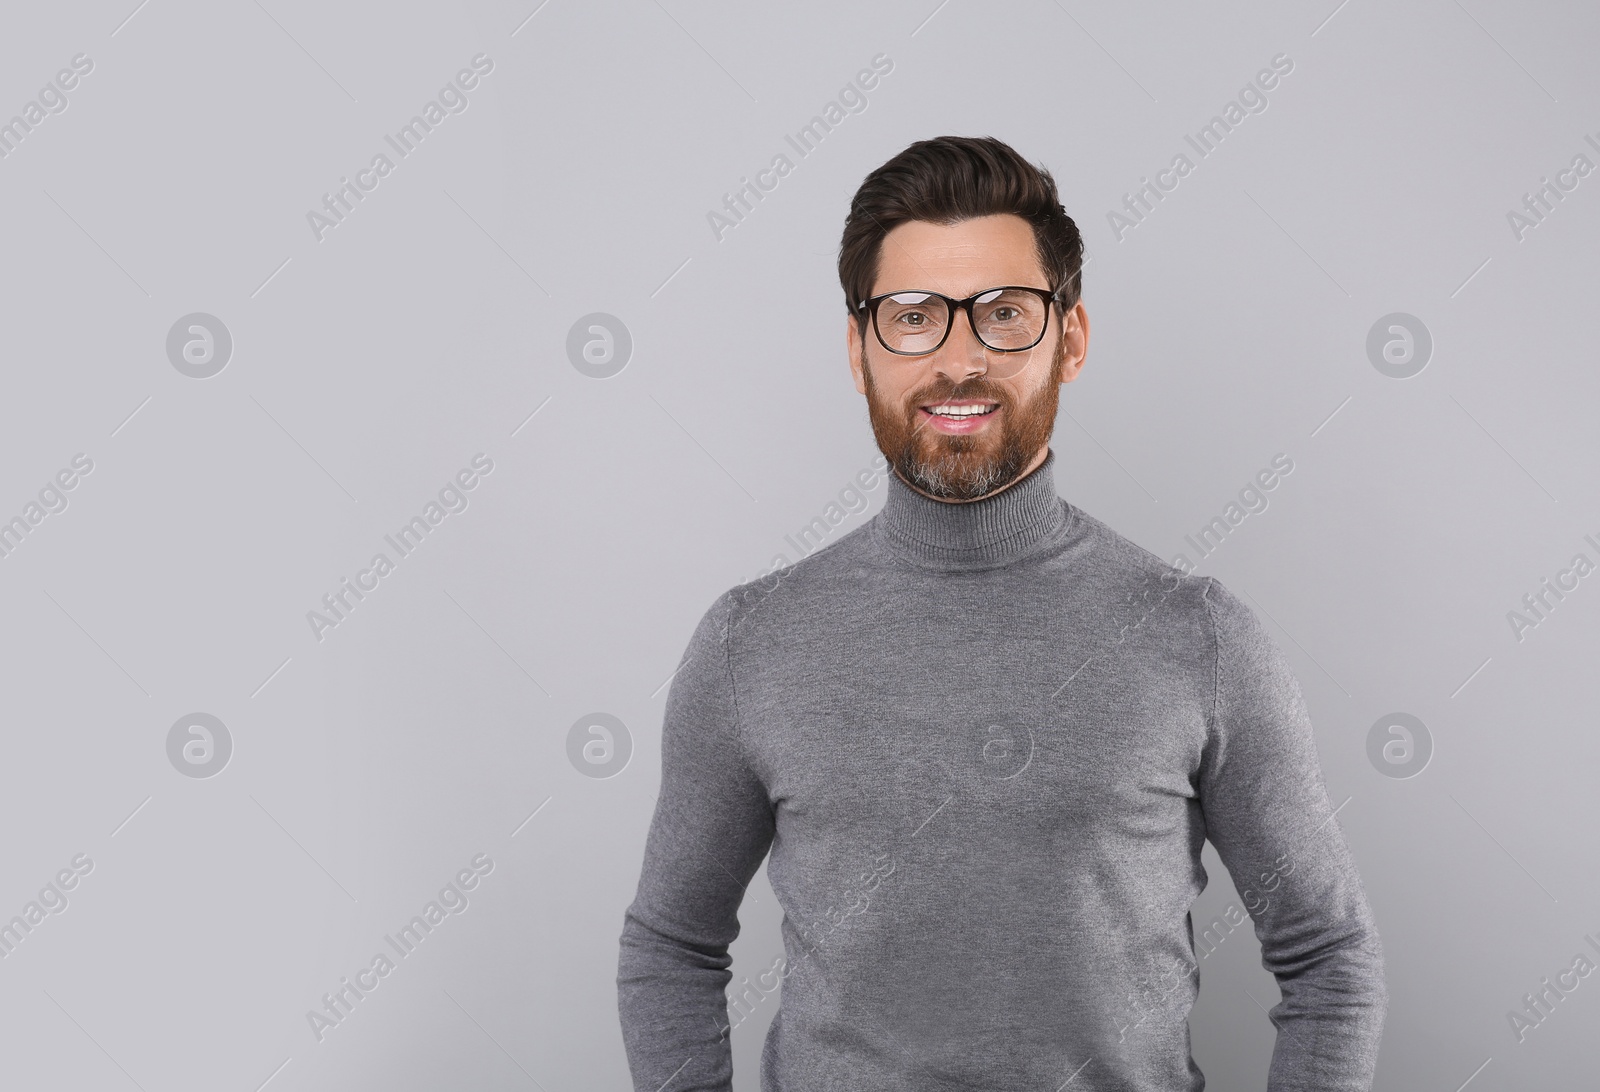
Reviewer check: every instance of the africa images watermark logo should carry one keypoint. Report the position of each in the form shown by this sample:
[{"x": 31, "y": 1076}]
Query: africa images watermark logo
[
  {"x": 599, "y": 745},
  {"x": 807, "y": 540},
  {"x": 744, "y": 1002},
  {"x": 1252, "y": 99},
  {"x": 599, "y": 345},
  {"x": 1538, "y": 605},
  {"x": 340, "y": 602},
  {"x": 338, "y": 1004},
  {"x": 52, "y": 498},
  {"x": 1252, "y": 499},
  {"x": 852, "y": 99},
  {"x": 52, "y": 900},
  {"x": 199, "y": 745},
  {"x": 52, "y": 99},
  {"x": 1399, "y": 745},
  {"x": 1537, "y": 1006},
  {"x": 452, "y": 99},
  {"x": 1538, "y": 204},
  {"x": 199, "y": 345}
]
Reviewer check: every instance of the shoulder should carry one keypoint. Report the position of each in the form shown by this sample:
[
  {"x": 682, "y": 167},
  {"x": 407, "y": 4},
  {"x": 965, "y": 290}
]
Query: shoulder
[
  {"x": 827, "y": 571},
  {"x": 1251, "y": 668},
  {"x": 1129, "y": 570},
  {"x": 1235, "y": 623}
]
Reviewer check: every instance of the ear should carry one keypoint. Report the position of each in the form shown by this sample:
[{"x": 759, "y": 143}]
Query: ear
[
  {"x": 1075, "y": 332},
  {"x": 856, "y": 351}
]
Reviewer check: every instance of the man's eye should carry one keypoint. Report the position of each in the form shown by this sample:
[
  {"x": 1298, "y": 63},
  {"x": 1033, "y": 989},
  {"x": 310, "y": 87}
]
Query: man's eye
[{"x": 913, "y": 318}]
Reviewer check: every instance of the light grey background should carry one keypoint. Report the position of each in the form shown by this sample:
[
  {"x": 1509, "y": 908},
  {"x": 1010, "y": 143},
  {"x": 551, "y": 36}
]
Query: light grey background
[{"x": 370, "y": 766}]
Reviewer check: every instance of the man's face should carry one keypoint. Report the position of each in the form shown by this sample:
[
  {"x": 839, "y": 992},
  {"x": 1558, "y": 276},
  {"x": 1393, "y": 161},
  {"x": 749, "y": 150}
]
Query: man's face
[{"x": 964, "y": 458}]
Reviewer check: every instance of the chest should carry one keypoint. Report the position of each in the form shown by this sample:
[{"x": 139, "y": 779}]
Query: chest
[{"x": 1036, "y": 725}]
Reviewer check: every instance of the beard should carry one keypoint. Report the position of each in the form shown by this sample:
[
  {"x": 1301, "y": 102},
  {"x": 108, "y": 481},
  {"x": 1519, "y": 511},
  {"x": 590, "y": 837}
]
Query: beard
[{"x": 965, "y": 467}]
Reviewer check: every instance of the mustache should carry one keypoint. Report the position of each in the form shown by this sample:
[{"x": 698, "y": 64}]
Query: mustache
[{"x": 943, "y": 392}]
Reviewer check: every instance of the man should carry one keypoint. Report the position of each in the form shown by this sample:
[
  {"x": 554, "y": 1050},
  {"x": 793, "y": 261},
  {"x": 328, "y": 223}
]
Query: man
[{"x": 983, "y": 735}]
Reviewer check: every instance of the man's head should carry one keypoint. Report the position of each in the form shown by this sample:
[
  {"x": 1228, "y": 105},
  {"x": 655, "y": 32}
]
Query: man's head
[{"x": 958, "y": 216}]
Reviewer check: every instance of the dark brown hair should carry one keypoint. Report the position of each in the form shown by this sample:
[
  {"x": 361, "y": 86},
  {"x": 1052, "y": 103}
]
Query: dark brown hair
[{"x": 949, "y": 179}]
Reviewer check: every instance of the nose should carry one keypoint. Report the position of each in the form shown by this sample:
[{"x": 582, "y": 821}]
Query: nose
[{"x": 962, "y": 355}]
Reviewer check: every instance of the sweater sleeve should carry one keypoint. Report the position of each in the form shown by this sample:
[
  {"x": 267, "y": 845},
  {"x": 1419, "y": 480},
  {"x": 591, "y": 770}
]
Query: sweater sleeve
[
  {"x": 1267, "y": 811},
  {"x": 713, "y": 824}
]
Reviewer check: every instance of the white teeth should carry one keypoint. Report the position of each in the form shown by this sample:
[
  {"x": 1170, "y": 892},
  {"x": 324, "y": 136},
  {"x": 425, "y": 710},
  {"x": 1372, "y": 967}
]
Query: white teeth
[{"x": 960, "y": 411}]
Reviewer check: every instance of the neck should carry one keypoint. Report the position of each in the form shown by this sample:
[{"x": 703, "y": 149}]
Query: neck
[{"x": 995, "y": 529}]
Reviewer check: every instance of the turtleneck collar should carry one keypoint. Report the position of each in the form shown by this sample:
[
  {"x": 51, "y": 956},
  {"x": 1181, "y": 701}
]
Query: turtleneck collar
[{"x": 992, "y": 531}]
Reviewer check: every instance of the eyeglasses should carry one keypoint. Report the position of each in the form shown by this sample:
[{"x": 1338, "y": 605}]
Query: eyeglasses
[{"x": 1008, "y": 319}]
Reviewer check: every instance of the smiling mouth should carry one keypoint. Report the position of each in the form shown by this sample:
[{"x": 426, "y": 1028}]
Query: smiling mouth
[{"x": 961, "y": 411}]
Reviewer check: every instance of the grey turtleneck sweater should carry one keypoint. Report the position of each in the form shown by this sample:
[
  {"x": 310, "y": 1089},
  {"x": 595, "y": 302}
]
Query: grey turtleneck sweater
[{"x": 984, "y": 744}]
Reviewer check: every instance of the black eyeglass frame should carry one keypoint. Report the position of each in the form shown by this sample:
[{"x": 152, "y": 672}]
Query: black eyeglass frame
[{"x": 870, "y": 306}]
